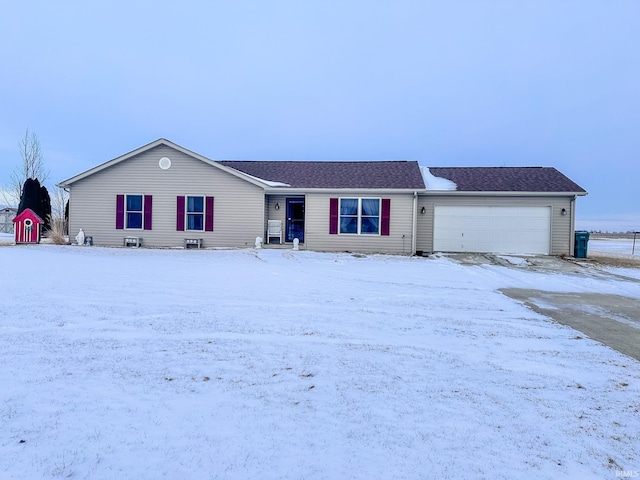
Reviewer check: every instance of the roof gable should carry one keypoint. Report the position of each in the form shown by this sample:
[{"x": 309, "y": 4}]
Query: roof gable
[
  {"x": 508, "y": 179},
  {"x": 27, "y": 213},
  {"x": 332, "y": 174},
  {"x": 150, "y": 146}
]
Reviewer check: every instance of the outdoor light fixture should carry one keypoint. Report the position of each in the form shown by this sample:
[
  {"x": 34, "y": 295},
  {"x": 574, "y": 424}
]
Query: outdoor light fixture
[
  {"x": 563, "y": 211},
  {"x": 423, "y": 210},
  {"x": 277, "y": 206}
]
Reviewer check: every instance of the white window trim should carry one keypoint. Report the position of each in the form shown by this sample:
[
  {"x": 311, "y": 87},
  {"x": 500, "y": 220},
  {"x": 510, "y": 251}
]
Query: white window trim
[
  {"x": 186, "y": 212},
  {"x": 126, "y": 212},
  {"x": 359, "y": 216}
]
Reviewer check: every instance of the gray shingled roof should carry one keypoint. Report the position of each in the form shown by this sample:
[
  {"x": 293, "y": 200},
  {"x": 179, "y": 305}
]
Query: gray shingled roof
[
  {"x": 507, "y": 179},
  {"x": 365, "y": 174}
]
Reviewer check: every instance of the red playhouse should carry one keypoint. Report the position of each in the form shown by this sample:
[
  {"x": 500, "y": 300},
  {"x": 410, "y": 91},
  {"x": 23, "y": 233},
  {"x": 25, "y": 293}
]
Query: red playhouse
[{"x": 27, "y": 227}]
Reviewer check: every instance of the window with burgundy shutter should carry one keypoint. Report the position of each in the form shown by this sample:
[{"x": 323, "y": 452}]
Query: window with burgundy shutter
[
  {"x": 359, "y": 216},
  {"x": 134, "y": 212},
  {"x": 194, "y": 213}
]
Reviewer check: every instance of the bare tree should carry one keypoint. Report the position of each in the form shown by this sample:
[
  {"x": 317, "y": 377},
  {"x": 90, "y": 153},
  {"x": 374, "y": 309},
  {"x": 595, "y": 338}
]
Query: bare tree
[
  {"x": 31, "y": 166},
  {"x": 58, "y": 231},
  {"x": 59, "y": 198}
]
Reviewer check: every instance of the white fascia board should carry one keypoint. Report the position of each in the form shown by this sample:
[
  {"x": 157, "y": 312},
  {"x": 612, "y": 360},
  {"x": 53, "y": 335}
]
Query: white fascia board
[
  {"x": 458, "y": 193},
  {"x": 338, "y": 191}
]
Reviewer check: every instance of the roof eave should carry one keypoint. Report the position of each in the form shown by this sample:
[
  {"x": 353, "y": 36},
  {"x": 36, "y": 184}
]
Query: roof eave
[
  {"x": 502, "y": 193},
  {"x": 302, "y": 190}
]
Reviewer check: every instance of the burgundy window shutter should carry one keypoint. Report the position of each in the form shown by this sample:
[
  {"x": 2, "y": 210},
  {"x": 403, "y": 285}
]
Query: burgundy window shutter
[
  {"x": 386, "y": 214},
  {"x": 148, "y": 208},
  {"x": 333, "y": 216},
  {"x": 208, "y": 220},
  {"x": 180, "y": 214},
  {"x": 119, "y": 212}
]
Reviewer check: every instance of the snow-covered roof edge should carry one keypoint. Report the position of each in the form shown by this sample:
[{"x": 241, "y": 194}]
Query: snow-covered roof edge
[
  {"x": 269, "y": 183},
  {"x": 432, "y": 182}
]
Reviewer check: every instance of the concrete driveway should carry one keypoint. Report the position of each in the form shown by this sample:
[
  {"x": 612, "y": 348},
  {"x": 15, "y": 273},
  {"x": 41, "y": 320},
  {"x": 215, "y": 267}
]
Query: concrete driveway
[{"x": 613, "y": 320}]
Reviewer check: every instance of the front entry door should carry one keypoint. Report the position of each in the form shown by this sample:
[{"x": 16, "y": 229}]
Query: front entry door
[{"x": 295, "y": 219}]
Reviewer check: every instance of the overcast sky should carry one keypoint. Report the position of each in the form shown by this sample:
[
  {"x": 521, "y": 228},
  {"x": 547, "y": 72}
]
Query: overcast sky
[{"x": 446, "y": 83}]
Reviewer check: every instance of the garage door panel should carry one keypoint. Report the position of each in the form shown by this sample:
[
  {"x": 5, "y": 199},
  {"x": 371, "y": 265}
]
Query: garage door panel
[{"x": 493, "y": 229}]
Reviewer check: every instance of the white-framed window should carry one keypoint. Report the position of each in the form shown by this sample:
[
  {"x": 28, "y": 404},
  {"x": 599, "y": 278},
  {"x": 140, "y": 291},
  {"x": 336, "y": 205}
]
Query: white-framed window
[
  {"x": 194, "y": 212},
  {"x": 133, "y": 211},
  {"x": 359, "y": 216}
]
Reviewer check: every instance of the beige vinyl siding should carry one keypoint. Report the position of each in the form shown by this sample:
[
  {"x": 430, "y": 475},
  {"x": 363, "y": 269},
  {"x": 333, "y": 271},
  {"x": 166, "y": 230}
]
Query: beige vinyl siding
[
  {"x": 238, "y": 205},
  {"x": 561, "y": 226},
  {"x": 398, "y": 241}
]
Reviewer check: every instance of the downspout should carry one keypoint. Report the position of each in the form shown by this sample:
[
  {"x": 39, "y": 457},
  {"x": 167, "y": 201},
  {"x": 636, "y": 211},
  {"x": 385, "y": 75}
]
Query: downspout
[
  {"x": 265, "y": 217},
  {"x": 67, "y": 220},
  {"x": 306, "y": 238},
  {"x": 415, "y": 223},
  {"x": 572, "y": 230}
]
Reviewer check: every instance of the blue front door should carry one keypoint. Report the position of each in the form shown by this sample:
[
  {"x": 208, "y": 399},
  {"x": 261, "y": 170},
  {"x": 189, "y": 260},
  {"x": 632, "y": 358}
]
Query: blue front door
[{"x": 295, "y": 220}]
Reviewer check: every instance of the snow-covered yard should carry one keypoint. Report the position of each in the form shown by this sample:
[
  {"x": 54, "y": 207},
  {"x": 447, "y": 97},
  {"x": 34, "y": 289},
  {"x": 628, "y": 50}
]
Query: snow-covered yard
[
  {"x": 614, "y": 245},
  {"x": 126, "y": 363}
]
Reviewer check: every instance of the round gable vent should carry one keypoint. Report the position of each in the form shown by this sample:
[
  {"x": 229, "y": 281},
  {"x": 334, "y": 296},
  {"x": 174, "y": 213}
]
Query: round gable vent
[{"x": 165, "y": 163}]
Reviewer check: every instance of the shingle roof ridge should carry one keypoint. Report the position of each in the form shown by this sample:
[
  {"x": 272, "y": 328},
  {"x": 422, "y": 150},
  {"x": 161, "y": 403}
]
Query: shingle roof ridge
[
  {"x": 490, "y": 166},
  {"x": 320, "y": 161},
  {"x": 403, "y": 174}
]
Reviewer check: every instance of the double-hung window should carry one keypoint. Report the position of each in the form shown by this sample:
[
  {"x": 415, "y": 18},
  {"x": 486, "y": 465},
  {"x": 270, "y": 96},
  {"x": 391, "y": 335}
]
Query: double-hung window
[
  {"x": 195, "y": 213},
  {"x": 360, "y": 216},
  {"x": 133, "y": 211}
]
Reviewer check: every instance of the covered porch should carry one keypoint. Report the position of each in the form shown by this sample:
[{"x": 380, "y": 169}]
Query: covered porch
[{"x": 284, "y": 220}]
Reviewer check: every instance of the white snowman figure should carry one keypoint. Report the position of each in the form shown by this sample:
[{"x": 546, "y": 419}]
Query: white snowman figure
[
  {"x": 258, "y": 242},
  {"x": 80, "y": 237}
]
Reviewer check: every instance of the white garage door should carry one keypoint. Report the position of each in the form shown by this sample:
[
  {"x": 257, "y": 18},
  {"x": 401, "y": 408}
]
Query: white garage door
[{"x": 492, "y": 229}]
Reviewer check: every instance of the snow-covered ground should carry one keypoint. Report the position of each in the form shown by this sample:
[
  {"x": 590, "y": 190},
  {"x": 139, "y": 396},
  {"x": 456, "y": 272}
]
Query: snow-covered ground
[
  {"x": 619, "y": 246},
  {"x": 6, "y": 238},
  {"x": 140, "y": 363}
]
